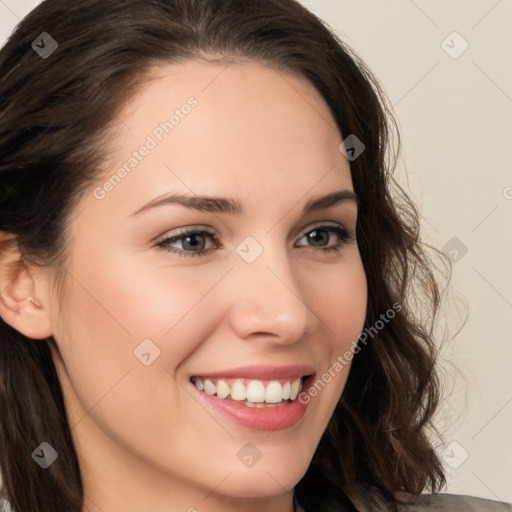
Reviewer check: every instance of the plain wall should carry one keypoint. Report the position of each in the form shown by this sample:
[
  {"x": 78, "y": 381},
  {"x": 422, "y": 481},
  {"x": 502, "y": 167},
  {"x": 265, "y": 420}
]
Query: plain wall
[{"x": 455, "y": 119}]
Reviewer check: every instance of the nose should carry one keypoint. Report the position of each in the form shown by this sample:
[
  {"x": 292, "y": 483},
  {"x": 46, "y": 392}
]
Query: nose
[{"x": 268, "y": 302}]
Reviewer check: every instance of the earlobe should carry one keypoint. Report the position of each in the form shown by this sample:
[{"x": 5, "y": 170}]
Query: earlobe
[{"x": 19, "y": 306}]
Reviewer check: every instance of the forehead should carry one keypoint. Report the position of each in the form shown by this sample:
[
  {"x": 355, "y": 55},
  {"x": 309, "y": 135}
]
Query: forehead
[
  {"x": 213, "y": 126},
  {"x": 227, "y": 84}
]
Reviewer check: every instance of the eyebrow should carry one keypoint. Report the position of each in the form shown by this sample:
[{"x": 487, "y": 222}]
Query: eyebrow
[{"x": 214, "y": 204}]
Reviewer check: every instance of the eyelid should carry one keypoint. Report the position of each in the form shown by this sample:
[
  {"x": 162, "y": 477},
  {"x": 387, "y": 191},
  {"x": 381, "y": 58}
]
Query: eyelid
[
  {"x": 182, "y": 232},
  {"x": 198, "y": 228},
  {"x": 323, "y": 224}
]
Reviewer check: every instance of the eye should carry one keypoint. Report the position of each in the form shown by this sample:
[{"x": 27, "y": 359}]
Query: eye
[
  {"x": 321, "y": 236},
  {"x": 192, "y": 242}
]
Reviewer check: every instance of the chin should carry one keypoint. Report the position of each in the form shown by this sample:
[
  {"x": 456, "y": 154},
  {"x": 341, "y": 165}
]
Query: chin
[
  {"x": 261, "y": 484},
  {"x": 278, "y": 475}
]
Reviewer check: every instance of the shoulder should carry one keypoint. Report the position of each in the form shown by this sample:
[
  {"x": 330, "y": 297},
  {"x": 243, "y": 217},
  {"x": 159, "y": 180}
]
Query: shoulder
[
  {"x": 372, "y": 500},
  {"x": 453, "y": 503},
  {"x": 315, "y": 493}
]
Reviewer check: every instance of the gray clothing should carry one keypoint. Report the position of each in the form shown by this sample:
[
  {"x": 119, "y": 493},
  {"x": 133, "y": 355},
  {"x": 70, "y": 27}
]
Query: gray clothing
[
  {"x": 372, "y": 501},
  {"x": 432, "y": 503}
]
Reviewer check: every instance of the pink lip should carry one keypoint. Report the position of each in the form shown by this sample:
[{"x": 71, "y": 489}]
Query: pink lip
[
  {"x": 267, "y": 419},
  {"x": 263, "y": 372}
]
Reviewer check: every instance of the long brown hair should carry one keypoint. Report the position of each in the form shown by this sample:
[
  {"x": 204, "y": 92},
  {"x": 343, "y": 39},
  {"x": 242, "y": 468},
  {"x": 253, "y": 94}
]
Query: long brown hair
[{"x": 54, "y": 114}]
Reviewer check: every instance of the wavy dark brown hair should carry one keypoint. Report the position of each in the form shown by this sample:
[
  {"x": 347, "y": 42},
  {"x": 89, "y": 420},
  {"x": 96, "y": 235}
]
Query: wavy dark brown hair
[{"x": 55, "y": 114}]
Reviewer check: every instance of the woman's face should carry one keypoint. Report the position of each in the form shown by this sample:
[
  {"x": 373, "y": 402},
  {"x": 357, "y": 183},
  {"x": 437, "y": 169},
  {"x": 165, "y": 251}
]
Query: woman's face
[{"x": 254, "y": 299}]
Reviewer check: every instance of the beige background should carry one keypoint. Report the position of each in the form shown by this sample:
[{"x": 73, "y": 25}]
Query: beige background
[{"x": 455, "y": 117}]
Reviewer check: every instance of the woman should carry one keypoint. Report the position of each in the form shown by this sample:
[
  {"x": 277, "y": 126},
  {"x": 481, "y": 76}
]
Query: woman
[{"x": 282, "y": 370}]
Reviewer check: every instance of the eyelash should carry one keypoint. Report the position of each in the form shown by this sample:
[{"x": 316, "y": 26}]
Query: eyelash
[{"x": 344, "y": 235}]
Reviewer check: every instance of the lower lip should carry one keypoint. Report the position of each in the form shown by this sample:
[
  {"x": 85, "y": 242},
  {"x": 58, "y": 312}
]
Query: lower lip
[{"x": 254, "y": 418}]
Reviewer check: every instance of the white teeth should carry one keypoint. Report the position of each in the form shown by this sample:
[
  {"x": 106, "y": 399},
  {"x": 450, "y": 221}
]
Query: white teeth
[
  {"x": 274, "y": 392},
  {"x": 238, "y": 391},
  {"x": 286, "y": 390},
  {"x": 256, "y": 391},
  {"x": 255, "y": 394},
  {"x": 264, "y": 406},
  {"x": 210, "y": 387},
  {"x": 294, "y": 391},
  {"x": 223, "y": 390}
]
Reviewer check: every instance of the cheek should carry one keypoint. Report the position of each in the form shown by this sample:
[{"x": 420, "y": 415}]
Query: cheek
[
  {"x": 120, "y": 307},
  {"x": 108, "y": 312},
  {"x": 105, "y": 318},
  {"x": 339, "y": 298}
]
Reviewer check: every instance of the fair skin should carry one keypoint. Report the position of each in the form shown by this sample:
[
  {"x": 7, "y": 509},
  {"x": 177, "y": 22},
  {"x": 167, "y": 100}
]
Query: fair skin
[{"x": 145, "y": 439}]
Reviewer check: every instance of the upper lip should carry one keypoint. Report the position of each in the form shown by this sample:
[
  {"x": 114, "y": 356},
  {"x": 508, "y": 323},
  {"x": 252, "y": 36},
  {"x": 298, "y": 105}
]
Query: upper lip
[{"x": 263, "y": 372}]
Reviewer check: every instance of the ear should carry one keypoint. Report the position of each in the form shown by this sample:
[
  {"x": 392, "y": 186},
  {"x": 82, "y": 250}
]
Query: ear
[{"x": 22, "y": 295}]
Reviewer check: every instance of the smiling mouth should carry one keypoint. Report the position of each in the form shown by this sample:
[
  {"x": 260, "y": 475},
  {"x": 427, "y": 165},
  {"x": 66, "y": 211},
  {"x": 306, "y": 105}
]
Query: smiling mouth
[{"x": 252, "y": 392}]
